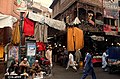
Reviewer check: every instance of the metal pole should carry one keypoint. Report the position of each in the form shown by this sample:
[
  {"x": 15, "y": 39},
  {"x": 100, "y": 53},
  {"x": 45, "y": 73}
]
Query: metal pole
[{"x": 20, "y": 26}]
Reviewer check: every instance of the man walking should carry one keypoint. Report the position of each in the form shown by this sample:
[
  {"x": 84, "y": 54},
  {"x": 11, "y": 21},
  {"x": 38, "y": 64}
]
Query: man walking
[
  {"x": 104, "y": 62},
  {"x": 71, "y": 62},
  {"x": 88, "y": 68}
]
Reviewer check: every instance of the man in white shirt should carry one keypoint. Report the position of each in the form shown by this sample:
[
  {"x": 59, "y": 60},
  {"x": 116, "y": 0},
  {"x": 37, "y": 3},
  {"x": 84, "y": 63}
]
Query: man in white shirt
[
  {"x": 104, "y": 62},
  {"x": 48, "y": 55},
  {"x": 71, "y": 62}
]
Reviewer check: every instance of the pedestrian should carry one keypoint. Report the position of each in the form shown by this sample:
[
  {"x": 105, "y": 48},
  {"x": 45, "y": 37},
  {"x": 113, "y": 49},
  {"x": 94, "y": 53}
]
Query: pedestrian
[
  {"x": 77, "y": 56},
  {"x": 104, "y": 62},
  {"x": 88, "y": 67},
  {"x": 71, "y": 62},
  {"x": 65, "y": 58},
  {"x": 48, "y": 55}
]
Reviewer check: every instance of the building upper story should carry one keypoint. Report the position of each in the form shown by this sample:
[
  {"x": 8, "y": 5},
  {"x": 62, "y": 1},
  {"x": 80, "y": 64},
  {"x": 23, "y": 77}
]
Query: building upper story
[
  {"x": 59, "y": 6},
  {"x": 8, "y": 7},
  {"x": 39, "y": 9}
]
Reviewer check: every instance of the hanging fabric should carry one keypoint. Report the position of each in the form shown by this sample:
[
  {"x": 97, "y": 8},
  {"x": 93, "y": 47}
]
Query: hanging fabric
[
  {"x": 70, "y": 41},
  {"x": 75, "y": 39},
  {"x": 16, "y": 34},
  {"x": 40, "y": 32},
  {"x": 28, "y": 27},
  {"x": 78, "y": 38},
  {"x": 1, "y": 51},
  {"x": 41, "y": 46}
]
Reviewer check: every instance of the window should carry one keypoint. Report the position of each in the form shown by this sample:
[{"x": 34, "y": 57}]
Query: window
[
  {"x": 110, "y": 21},
  {"x": 113, "y": 22},
  {"x": 106, "y": 21}
]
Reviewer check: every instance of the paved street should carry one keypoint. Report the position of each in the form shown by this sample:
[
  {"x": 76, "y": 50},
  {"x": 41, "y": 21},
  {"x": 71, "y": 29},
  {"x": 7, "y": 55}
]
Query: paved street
[{"x": 60, "y": 73}]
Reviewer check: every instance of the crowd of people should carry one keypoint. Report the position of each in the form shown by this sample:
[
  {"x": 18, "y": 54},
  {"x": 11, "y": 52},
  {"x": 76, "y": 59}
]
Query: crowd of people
[{"x": 62, "y": 56}]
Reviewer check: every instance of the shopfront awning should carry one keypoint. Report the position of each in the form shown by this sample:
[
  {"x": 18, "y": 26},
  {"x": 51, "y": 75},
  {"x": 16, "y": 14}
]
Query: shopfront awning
[
  {"x": 59, "y": 25},
  {"x": 7, "y": 20}
]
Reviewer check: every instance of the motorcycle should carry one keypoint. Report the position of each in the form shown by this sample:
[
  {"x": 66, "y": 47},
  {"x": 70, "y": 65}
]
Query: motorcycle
[{"x": 45, "y": 65}]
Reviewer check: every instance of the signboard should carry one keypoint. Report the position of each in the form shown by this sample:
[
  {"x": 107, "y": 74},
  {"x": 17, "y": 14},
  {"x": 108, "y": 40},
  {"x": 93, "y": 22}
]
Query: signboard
[
  {"x": 22, "y": 5},
  {"x": 111, "y": 8},
  {"x": 31, "y": 48},
  {"x": 14, "y": 77},
  {"x": 109, "y": 13},
  {"x": 110, "y": 4}
]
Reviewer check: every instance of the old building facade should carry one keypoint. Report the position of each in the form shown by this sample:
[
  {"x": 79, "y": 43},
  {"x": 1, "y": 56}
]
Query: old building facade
[
  {"x": 39, "y": 9},
  {"x": 86, "y": 10},
  {"x": 93, "y": 18}
]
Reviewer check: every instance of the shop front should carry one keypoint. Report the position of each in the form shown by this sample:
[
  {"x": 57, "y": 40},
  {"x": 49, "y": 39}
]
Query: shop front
[{"x": 6, "y": 23}]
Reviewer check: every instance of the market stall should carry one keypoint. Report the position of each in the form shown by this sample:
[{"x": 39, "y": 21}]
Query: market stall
[{"x": 6, "y": 23}]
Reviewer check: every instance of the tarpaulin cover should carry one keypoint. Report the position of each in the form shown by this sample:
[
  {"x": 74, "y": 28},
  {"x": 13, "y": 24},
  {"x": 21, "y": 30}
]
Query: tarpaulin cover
[
  {"x": 7, "y": 20},
  {"x": 59, "y": 25}
]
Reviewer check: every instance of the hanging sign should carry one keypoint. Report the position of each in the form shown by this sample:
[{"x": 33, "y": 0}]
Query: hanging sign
[{"x": 22, "y": 5}]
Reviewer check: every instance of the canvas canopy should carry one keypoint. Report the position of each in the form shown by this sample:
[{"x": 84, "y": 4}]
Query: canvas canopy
[
  {"x": 7, "y": 20},
  {"x": 59, "y": 25}
]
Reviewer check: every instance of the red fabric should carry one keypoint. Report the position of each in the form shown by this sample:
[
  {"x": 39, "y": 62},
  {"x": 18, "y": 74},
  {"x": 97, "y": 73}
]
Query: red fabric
[
  {"x": 41, "y": 46},
  {"x": 28, "y": 27}
]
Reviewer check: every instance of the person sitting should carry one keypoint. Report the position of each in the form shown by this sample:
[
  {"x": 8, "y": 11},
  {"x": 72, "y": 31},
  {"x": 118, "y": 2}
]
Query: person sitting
[
  {"x": 35, "y": 68},
  {"x": 24, "y": 65},
  {"x": 14, "y": 66}
]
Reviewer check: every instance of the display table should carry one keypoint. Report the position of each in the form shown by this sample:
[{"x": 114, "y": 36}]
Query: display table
[{"x": 97, "y": 59}]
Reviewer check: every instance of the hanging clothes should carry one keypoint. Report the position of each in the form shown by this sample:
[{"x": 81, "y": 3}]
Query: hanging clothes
[
  {"x": 28, "y": 27},
  {"x": 16, "y": 34},
  {"x": 1, "y": 51},
  {"x": 78, "y": 38},
  {"x": 41, "y": 46},
  {"x": 40, "y": 32},
  {"x": 75, "y": 39},
  {"x": 70, "y": 41}
]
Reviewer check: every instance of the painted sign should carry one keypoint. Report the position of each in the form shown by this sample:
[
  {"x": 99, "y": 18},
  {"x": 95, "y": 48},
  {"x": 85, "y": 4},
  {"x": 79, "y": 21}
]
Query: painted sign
[
  {"x": 109, "y": 13},
  {"x": 22, "y": 5},
  {"x": 110, "y": 4},
  {"x": 31, "y": 49},
  {"x": 111, "y": 8}
]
